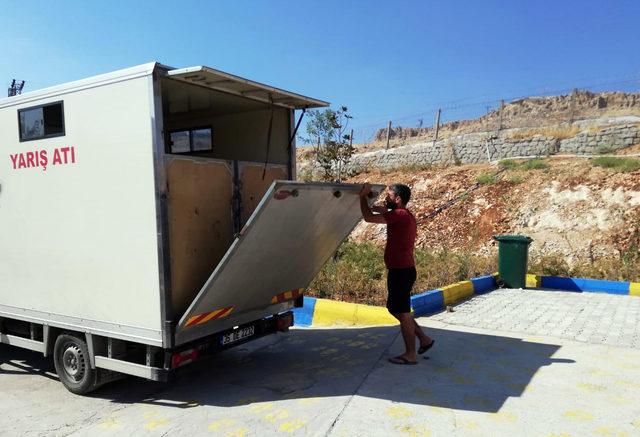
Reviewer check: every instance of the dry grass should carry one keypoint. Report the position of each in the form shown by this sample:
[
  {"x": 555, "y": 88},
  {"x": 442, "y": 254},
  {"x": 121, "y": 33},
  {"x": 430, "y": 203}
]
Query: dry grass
[
  {"x": 595, "y": 128},
  {"x": 357, "y": 272},
  {"x": 529, "y": 164},
  {"x": 559, "y": 132},
  {"x": 411, "y": 168},
  {"x": 623, "y": 268},
  {"x": 626, "y": 165},
  {"x": 515, "y": 179}
]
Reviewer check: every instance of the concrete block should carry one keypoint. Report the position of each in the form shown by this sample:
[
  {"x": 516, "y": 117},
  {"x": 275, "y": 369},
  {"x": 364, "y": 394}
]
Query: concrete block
[
  {"x": 456, "y": 292},
  {"x": 585, "y": 285},
  {"x": 427, "y": 302},
  {"x": 483, "y": 284}
]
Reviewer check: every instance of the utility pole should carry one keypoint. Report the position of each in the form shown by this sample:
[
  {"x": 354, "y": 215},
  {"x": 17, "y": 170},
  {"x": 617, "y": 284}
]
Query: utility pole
[
  {"x": 501, "y": 110},
  {"x": 572, "y": 108},
  {"x": 388, "y": 133},
  {"x": 437, "y": 126},
  {"x": 351, "y": 139},
  {"x": 15, "y": 88}
]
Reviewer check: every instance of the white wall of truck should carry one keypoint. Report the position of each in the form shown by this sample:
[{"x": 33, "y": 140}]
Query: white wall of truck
[{"x": 83, "y": 230}]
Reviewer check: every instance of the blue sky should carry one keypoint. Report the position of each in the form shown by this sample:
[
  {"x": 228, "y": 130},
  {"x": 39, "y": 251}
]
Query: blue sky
[{"x": 384, "y": 60}]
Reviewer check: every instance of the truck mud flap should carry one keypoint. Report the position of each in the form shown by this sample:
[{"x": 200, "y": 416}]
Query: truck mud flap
[{"x": 292, "y": 233}]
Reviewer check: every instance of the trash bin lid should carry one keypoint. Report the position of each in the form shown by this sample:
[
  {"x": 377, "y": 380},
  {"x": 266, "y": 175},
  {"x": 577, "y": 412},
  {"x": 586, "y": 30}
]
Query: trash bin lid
[{"x": 515, "y": 238}]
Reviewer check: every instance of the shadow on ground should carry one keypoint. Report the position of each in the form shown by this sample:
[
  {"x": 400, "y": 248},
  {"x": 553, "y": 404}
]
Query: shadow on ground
[{"x": 465, "y": 371}]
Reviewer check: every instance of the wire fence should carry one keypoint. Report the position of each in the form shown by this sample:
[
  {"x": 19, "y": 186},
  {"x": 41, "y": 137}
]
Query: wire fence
[{"x": 546, "y": 108}]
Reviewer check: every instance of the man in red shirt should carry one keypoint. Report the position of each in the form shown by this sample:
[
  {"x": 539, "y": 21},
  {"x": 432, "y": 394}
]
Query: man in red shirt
[{"x": 398, "y": 258}]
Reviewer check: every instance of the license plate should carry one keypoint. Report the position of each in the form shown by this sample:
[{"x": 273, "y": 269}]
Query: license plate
[{"x": 238, "y": 335}]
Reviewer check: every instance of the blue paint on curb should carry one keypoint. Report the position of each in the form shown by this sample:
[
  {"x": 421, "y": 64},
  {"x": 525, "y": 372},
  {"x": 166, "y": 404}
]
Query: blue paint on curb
[
  {"x": 428, "y": 302},
  {"x": 304, "y": 316},
  {"x": 483, "y": 284},
  {"x": 585, "y": 285},
  {"x": 432, "y": 301}
]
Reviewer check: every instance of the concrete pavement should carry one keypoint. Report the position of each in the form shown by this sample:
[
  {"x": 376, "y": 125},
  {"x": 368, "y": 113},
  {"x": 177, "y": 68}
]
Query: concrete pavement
[
  {"x": 337, "y": 382},
  {"x": 588, "y": 317}
]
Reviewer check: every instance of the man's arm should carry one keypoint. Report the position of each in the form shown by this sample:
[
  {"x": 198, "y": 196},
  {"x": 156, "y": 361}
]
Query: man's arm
[
  {"x": 380, "y": 209},
  {"x": 367, "y": 214}
]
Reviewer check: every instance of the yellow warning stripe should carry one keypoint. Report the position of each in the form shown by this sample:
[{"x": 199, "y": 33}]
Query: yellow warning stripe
[
  {"x": 287, "y": 295},
  {"x": 204, "y": 318}
]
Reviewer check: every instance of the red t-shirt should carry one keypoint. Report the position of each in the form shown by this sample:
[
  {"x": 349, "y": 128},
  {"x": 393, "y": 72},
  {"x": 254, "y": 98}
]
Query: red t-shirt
[{"x": 401, "y": 237}]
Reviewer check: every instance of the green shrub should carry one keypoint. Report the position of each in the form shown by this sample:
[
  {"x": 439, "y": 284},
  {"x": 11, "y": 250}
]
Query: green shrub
[
  {"x": 535, "y": 164},
  {"x": 620, "y": 164},
  {"x": 603, "y": 150},
  {"x": 487, "y": 179},
  {"x": 509, "y": 164},
  {"x": 515, "y": 179}
]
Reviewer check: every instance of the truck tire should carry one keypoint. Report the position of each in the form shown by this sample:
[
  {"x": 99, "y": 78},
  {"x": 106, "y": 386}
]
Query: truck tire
[{"x": 71, "y": 360}]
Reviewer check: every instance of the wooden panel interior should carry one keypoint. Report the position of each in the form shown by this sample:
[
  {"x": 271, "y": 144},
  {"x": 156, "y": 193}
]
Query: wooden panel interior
[
  {"x": 254, "y": 186},
  {"x": 200, "y": 224},
  {"x": 240, "y": 125}
]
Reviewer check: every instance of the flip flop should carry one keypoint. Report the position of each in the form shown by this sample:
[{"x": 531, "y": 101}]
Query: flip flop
[
  {"x": 402, "y": 361},
  {"x": 423, "y": 349}
]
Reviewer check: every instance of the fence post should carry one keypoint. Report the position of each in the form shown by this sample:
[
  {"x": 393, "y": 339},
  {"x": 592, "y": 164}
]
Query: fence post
[
  {"x": 437, "y": 126},
  {"x": 388, "y": 133},
  {"x": 574, "y": 93}
]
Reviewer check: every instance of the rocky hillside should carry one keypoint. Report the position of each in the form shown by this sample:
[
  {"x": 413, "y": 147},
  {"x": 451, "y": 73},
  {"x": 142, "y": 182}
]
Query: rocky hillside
[
  {"x": 579, "y": 208},
  {"x": 570, "y": 207},
  {"x": 524, "y": 113}
]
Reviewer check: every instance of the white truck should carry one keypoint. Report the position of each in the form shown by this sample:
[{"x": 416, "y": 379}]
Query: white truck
[{"x": 149, "y": 217}]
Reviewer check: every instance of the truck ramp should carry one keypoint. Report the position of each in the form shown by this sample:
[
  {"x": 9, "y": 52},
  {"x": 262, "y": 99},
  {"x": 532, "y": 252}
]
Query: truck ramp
[{"x": 292, "y": 233}]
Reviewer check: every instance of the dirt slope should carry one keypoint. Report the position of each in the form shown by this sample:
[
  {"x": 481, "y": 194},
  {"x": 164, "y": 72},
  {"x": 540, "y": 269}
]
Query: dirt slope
[{"x": 572, "y": 208}]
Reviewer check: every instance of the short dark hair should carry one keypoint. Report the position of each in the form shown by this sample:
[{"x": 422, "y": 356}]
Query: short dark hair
[{"x": 403, "y": 191}]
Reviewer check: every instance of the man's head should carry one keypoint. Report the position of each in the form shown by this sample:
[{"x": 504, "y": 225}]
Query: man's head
[{"x": 398, "y": 196}]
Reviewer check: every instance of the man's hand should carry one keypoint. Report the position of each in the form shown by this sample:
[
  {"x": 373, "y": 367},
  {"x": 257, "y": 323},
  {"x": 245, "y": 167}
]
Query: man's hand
[
  {"x": 366, "y": 190},
  {"x": 379, "y": 208},
  {"x": 367, "y": 214}
]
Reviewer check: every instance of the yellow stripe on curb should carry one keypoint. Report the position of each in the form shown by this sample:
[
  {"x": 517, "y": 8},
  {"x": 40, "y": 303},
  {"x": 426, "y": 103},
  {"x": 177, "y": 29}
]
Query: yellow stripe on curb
[
  {"x": 634, "y": 289},
  {"x": 332, "y": 313},
  {"x": 533, "y": 281},
  {"x": 456, "y": 292}
]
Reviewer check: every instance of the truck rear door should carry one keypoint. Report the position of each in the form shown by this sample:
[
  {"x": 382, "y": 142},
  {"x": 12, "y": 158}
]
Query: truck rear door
[{"x": 292, "y": 233}]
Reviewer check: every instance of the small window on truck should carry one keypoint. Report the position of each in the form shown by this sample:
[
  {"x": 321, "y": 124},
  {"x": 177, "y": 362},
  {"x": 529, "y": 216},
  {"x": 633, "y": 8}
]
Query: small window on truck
[
  {"x": 192, "y": 140},
  {"x": 44, "y": 121}
]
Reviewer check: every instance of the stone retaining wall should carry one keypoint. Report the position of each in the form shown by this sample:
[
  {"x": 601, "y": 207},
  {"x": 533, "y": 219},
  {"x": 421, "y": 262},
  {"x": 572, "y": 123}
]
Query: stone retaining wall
[
  {"x": 604, "y": 141},
  {"x": 484, "y": 147}
]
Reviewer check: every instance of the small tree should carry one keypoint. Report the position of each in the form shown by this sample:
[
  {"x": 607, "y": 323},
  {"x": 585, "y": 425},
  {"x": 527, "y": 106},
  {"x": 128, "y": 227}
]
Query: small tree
[{"x": 333, "y": 150}]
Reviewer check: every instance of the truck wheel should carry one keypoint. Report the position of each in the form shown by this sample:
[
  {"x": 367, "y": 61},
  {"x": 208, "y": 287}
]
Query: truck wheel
[{"x": 71, "y": 360}]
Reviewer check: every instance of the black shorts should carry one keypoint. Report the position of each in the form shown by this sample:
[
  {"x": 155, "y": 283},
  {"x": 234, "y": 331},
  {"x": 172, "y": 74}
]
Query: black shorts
[{"x": 399, "y": 284}]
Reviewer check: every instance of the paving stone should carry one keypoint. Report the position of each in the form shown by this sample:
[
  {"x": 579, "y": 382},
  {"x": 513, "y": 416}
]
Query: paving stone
[{"x": 587, "y": 317}]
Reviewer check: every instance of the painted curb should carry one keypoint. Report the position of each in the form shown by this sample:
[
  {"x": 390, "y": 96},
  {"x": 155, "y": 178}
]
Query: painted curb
[
  {"x": 584, "y": 285},
  {"x": 325, "y": 312},
  {"x": 304, "y": 316}
]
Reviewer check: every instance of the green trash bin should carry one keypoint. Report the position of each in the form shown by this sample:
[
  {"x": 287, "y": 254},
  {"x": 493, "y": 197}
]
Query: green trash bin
[{"x": 512, "y": 259}]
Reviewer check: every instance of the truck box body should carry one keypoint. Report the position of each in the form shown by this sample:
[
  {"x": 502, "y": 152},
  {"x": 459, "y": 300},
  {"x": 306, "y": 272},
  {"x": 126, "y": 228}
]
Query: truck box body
[
  {"x": 150, "y": 207},
  {"x": 79, "y": 234}
]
